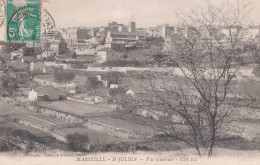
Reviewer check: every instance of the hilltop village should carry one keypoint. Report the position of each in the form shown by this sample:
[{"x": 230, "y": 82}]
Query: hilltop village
[{"x": 91, "y": 83}]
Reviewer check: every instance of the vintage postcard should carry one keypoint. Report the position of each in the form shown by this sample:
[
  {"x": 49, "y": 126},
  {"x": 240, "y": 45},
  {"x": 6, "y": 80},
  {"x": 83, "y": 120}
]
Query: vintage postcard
[
  {"x": 23, "y": 20},
  {"x": 129, "y": 82}
]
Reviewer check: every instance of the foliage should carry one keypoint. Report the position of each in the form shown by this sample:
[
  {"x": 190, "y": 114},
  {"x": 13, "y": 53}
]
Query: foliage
[
  {"x": 256, "y": 71},
  {"x": 78, "y": 142},
  {"x": 8, "y": 84},
  {"x": 50, "y": 58},
  {"x": 200, "y": 97},
  {"x": 120, "y": 92},
  {"x": 11, "y": 46},
  {"x": 47, "y": 45},
  {"x": 29, "y": 52},
  {"x": 74, "y": 55},
  {"x": 119, "y": 48},
  {"x": 123, "y": 63},
  {"x": 118, "y": 147},
  {"x": 249, "y": 48},
  {"x": 155, "y": 41},
  {"x": 64, "y": 76},
  {"x": 160, "y": 57},
  {"x": 103, "y": 41},
  {"x": 57, "y": 35},
  {"x": 256, "y": 56},
  {"x": 114, "y": 77},
  {"x": 93, "y": 83},
  {"x": 12, "y": 139},
  {"x": 63, "y": 49}
]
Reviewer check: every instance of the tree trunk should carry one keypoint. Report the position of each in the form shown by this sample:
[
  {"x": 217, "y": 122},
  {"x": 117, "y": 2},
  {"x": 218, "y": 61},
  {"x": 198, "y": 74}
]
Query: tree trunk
[{"x": 212, "y": 139}]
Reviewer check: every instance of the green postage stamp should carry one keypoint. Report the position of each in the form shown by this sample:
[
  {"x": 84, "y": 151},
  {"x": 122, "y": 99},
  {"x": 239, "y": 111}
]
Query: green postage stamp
[{"x": 23, "y": 20}]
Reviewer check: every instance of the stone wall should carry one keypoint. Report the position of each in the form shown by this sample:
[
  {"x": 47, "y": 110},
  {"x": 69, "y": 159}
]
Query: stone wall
[
  {"x": 114, "y": 131},
  {"x": 59, "y": 115},
  {"x": 80, "y": 100}
]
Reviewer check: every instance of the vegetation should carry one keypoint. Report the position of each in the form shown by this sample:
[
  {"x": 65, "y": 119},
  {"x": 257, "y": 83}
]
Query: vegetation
[
  {"x": 256, "y": 71},
  {"x": 200, "y": 98},
  {"x": 29, "y": 52},
  {"x": 63, "y": 49},
  {"x": 64, "y": 76},
  {"x": 8, "y": 85},
  {"x": 118, "y": 147},
  {"x": 78, "y": 142},
  {"x": 122, "y": 63},
  {"x": 93, "y": 83},
  {"x": 12, "y": 139},
  {"x": 114, "y": 77},
  {"x": 11, "y": 46}
]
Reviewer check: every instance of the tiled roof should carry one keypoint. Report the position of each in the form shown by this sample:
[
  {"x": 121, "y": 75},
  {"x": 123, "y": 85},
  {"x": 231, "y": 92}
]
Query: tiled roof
[
  {"x": 18, "y": 65},
  {"x": 45, "y": 90},
  {"x": 38, "y": 60},
  {"x": 108, "y": 50},
  {"x": 127, "y": 33},
  {"x": 28, "y": 58}
]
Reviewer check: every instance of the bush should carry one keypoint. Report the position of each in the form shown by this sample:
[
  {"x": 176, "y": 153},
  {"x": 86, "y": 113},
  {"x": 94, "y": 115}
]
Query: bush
[
  {"x": 18, "y": 137},
  {"x": 118, "y": 147},
  {"x": 123, "y": 63},
  {"x": 114, "y": 77},
  {"x": 249, "y": 48},
  {"x": 256, "y": 71},
  {"x": 78, "y": 142},
  {"x": 117, "y": 91},
  {"x": 240, "y": 60},
  {"x": 63, "y": 76},
  {"x": 93, "y": 83}
]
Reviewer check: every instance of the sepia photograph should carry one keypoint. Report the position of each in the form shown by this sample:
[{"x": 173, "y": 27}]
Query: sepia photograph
[{"x": 129, "y": 82}]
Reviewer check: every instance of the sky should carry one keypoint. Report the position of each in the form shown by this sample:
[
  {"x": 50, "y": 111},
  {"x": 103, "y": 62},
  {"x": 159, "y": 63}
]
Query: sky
[{"x": 146, "y": 13}]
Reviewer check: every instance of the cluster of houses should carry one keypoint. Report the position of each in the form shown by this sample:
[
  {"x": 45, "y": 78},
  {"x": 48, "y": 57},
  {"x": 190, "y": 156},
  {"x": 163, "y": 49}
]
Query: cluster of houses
[
  {"x": 82, "y": 39},
  {"x": 90, "y": 45}
]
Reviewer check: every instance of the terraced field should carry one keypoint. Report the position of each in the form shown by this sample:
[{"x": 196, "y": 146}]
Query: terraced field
[{"x": 79, "y": 109}]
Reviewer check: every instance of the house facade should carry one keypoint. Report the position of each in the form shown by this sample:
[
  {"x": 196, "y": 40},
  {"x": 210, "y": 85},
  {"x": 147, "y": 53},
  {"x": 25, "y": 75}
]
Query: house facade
[
  {"x": 123, "y": 38},
  {"x": 107, "y": 54},
  {"x": 167, "y": 31},
  {"x": 37, "y": 66},
  {"x": 44, "y": 93},
  {"x": 47, "y": 53},
  {"x": 16, "y": 54}
]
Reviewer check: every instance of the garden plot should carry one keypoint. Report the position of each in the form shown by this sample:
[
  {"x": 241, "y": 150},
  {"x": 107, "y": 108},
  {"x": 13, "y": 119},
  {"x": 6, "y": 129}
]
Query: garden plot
[
  {"x": 124, "y": 125},
  {"x": 75, "y": 108},
  {"x": 95, "y": 137},
  {"x": 39, "y": 122}
]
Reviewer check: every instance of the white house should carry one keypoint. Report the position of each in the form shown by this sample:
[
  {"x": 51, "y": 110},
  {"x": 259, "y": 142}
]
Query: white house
[
  {"x": 58, "y": 65},
  {"x": 129, "y": 92},
  {"x": 47, "y": 53},
  {"x": 114, "y": 86},
  {"x": 85, "y": 52},
  {"x": 16, "y": 54},
  {"x": 107, "y": 54},
  {"x": 55, "y": 47},
  {"x": 44, "y": 93}
]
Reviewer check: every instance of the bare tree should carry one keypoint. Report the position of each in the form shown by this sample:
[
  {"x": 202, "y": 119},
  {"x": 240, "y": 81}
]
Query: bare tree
[{"x": 198, "y": 91}]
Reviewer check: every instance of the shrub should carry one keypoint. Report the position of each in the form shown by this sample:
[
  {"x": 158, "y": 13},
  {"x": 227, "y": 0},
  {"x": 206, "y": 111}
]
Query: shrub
[
  {"x": 114, "y": 77},
  {"x": 118, "y": 147},
  {"x": 117, "y": 91},
  {"x": 93, "y": 83},
  {"x": 256, "y": 71},
  {"x": 17, "y": 137},
  {"x": 249, "y": 48},
  {"x": 123, "y": 63},
  {"x": 64, "y": 76},
  {"x": 78, "y": 142}
]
